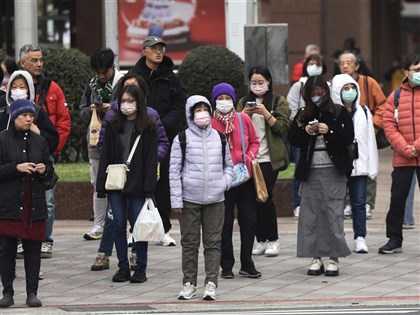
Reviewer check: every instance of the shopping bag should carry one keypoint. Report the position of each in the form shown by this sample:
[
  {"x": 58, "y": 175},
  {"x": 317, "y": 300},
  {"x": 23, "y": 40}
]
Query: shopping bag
[
  {"x": 116, "y": 176},
  {"x": 259, "y": 182},
  {"x": 148, "y": 226},
  {"x": 94, "y": 128},
  {"x": 240, "y": 173}
]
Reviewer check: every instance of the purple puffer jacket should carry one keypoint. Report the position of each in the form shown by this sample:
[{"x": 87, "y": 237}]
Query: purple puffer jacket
[{"x": 163, "y": 143}]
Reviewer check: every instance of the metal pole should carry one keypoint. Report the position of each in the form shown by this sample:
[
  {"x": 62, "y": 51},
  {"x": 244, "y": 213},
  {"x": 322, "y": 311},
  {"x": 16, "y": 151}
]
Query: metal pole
[
  {"x": 110, "y": 18},
  {"x": 26, "y": 24}
]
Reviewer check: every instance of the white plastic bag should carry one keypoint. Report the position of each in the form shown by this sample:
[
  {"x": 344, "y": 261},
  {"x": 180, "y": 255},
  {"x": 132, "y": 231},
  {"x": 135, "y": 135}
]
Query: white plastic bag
[{"x": 148, "y": 226}]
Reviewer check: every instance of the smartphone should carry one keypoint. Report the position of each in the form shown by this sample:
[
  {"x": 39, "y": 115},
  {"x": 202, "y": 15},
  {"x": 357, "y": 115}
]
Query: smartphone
[
  {"x": 313, "y": 123},
  {"x": 250, "y": 104}
]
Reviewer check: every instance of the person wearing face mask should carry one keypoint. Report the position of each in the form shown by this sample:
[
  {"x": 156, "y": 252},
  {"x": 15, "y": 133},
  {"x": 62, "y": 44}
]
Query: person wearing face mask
[
  {"x": 270, "y": 116},
  {"x": 97, "y": 95},
  {"x": 313, "y": 65},
  {"x": 323, "y": 131},
  {"x": 402, "y": 128},
  {"x": 226, "y": 120},
  {"x": 121, "y": 132},
  {"x": 345, "y": 91},
  {"x": 199, "y": 177},
  {"x": 107, "y": 241}
]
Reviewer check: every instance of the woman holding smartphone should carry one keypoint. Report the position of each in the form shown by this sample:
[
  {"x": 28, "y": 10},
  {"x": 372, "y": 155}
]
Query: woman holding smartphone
[
  {"x": 270, "y": 114},
  {"x": 322, "y": 130}
]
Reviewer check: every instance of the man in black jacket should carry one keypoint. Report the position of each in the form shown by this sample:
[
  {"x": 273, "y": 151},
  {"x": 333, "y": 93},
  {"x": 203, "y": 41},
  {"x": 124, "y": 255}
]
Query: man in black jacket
[{"x": 168, "y": 98}]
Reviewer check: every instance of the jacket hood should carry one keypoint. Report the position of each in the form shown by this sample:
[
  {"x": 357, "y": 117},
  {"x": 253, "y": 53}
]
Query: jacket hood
[
  {"x": 191, "y": 101},
  {"x": 29, "y": 82},
  {"x": 337, "y": 84}
]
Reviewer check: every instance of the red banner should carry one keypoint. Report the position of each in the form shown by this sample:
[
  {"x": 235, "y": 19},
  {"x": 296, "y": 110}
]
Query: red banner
[{"x": 182, "y": 24}]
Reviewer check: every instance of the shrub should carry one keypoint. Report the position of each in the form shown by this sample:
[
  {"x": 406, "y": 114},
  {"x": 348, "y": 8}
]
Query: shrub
[
  {"x": 71, "y": 69},
  {"x": 206, "y": 66}
]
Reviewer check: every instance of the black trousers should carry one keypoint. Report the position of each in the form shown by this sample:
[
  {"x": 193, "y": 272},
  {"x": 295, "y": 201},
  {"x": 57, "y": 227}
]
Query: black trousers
[
  {"x": 162, "y": 194},
  {"x": 400, "y": 187},
  {"x": 32, "y": 262},
  {"x": 266, "y": 211},
  {"x": 243, "y": 197}
]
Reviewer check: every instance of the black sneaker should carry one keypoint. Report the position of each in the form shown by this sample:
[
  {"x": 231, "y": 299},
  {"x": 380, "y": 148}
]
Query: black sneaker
[
  {"x": 250, "y": 273},
  {"x": 227, "y": 274},
  {"x": 139, "y": 276},
  {"x": 393, "y": 246},
  {"x": 121, "y": 275}
]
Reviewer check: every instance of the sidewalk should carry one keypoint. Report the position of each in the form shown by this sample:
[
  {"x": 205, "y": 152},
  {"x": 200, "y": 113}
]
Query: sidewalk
[{"x": 365, "y": 280}]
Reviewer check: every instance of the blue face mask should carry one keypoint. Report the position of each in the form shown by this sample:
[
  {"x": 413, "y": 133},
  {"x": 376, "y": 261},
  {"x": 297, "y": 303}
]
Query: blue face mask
[
  {"x": 416, "y": 78},
  {"x": 349, "y": 96}
]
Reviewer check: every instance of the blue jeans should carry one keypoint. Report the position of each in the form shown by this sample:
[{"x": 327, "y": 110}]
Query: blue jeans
[
  {"x": 296, "y": 182},
  {"x": 50, "y": 196},
  {"x": 107, "y": 240},
  {"x": 357, "y": 190},
  {"x": 123, "y": 206},
  {"x": 409, "y": 203}
]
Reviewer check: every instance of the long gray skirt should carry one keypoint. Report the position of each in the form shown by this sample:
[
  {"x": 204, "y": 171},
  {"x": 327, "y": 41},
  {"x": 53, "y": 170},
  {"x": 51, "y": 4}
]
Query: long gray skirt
[{"x": 321, "y": 218}]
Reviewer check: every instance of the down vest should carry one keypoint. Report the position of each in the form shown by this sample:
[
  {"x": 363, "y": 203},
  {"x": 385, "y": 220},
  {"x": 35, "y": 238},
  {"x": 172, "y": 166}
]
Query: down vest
[
  {"x": 406, "y": 130},
  {"x": 203, "y": 179}
]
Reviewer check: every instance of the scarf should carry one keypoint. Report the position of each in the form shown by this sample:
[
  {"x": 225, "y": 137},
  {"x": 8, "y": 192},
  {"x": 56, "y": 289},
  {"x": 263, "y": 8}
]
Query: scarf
[
  {"x": 102, "y": 90},
  {"x": 227, "y": 120}
]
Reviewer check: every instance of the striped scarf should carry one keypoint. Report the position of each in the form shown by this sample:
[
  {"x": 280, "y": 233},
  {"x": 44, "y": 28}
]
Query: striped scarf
[{"x": 227, "y": 120}]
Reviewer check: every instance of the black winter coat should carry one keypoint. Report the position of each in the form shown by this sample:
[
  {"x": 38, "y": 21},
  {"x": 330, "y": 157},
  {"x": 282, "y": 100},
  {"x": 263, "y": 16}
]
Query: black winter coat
[
  {"x": 339, "y": 136},
  {"x": 166, "y": 94},
  {"x": 19, "y": 147},
  {"x": 142, "y": 177}
]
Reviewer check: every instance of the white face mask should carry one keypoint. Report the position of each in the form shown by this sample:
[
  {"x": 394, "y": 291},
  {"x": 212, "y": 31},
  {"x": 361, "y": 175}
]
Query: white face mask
[
  {"x": 128, "y": 108},
  {"x": 316, "y": 99},
  {"x": 259, "y": 89},
  {"x": 202, "y": 119},
  {"x": 313, "y": 70},
  {"x": 18, "y": 94},
  {"x": 224, "y": 106}
]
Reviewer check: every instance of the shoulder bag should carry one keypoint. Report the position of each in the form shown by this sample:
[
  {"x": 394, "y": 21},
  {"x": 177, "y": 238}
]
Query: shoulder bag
[
  {"x": 259, "y": 182},
  {"x": 240, "y": 171},
  {"x": 94, "y": 128},
  {"x": 117, "y": 173}
]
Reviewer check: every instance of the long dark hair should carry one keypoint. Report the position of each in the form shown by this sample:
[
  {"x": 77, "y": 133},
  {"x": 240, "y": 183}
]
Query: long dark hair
[
  {"x": 142, "y": 121},
  {"x": 141, "y": 82},
  {"x": 268, "y": 96},
  {"x": 327, "y": 105}
]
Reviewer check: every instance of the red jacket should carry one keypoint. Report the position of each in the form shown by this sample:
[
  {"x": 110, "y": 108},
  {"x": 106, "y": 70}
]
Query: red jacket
[
  {"x": 406, "y": 131},
  {"x": 56, "y": 107}
]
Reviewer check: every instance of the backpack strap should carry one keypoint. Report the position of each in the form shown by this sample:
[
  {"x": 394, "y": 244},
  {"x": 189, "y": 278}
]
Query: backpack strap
[
  {"x": 397, "y": 97},
  {"x": 365, "y": 110},
  {"x": 183, "y": 143}
]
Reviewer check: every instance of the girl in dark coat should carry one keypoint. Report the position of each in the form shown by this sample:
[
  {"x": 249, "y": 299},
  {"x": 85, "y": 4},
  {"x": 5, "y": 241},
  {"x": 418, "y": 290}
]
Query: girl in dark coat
[{"x": 25, "y": 168}]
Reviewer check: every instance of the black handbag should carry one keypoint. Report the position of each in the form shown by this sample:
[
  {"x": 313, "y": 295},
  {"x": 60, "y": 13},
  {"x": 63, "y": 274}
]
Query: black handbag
[{"x": 381, "y": 140}]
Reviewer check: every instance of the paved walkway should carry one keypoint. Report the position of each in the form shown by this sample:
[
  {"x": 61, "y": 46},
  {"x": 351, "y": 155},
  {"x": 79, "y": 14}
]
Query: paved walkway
[{"x": 370, "y": 279}]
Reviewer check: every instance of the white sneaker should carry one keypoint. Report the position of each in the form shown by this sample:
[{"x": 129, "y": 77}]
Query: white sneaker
[
  {"x": 273, "y": 248},
  {"x": 259, "y": 248},
  {"x": 368, "y": 212},
  {"x": 41, "y": 275},
  {"x": 167, "y": 240},
  {"x": 46, "y": 250},
  {"x": 296, "y": 213},
  {"x": 347, "y": 212},
  {"x": 95, "y": 233},
  {"x": 19, "y": 253},
  {"x": 188, "y": 292},
  {"x": 210, "y": 292},
  {"x": 360, "y": 246}
]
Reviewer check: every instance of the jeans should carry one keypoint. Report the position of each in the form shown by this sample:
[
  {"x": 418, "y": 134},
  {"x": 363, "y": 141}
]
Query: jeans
[
  {"x": 266, "y": 211},
  {"x": 409, "y": 203},
  {"x": 107, "y": 240},
  {"x": 402, "y": 178},
  {"x": 123, "y": 206},
  {"x": 50, "y": 196},
  {"x": 371, "y": 193},
  {"x": 296, "y": 182},
  {"x": 357, "y": 186},
  {"x": 209, "y": 219}
]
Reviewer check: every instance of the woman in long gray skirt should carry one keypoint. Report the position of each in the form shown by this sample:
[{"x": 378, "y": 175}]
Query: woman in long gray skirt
[{"x": 323, "y": 131}]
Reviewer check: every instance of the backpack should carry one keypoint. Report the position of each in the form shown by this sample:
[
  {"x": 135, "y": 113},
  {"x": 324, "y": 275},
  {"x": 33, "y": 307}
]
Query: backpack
[
  {"x": 183, "y": 143},
  {"x": 287, "y": 146}
]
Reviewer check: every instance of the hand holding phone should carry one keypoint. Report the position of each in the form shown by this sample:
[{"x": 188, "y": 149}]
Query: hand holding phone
[
  {"x": 251, "y": 104},
  {"x": 314, "y": 123}
]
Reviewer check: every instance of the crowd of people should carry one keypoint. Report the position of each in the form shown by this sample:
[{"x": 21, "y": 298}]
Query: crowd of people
[{"x": 186, "y": 154}]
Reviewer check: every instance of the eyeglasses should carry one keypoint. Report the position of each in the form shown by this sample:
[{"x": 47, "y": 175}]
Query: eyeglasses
[
  {"x": 128, "y": 100},
  {"x": 414, "y": 70},
  {"x": 157, "y": 49}
]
